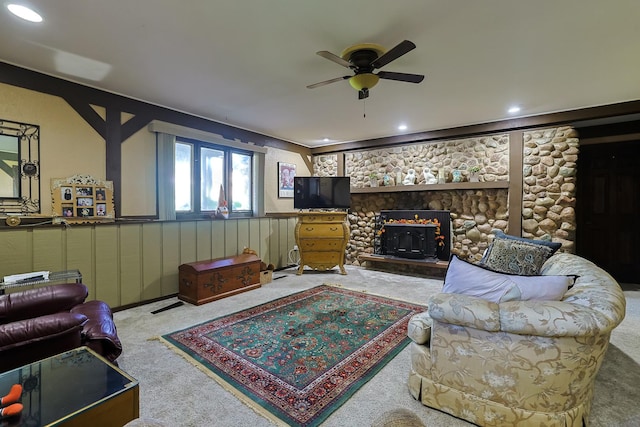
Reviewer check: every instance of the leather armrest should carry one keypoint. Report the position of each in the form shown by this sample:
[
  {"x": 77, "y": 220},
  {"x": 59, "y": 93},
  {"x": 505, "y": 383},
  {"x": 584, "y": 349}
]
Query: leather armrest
[
  {"x": 99, "y": 333},
  {"x": 41, "y": 301},
  {"x": 26, "y": 332}
]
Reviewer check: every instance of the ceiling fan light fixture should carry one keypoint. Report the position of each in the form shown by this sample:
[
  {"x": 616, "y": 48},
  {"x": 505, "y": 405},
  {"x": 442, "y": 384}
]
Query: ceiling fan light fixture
[{"x": 363, "y": 81}]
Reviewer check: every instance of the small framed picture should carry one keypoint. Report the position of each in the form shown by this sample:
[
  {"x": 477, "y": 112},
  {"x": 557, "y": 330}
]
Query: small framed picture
[
  {"x": 66, "y": 194},
  {"x": 286, "y": 173},
  {"x": 85, "y": 201},
  {"x": 84, "y": 191}
]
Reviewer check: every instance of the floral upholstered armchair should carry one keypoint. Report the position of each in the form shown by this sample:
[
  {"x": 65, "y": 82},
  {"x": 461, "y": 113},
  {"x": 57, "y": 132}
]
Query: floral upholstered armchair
[{"x": 516, "y": 362}]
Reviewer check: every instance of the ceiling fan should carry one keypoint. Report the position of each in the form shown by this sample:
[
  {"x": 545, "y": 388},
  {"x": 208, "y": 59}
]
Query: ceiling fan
[{"x": 363, "y": 59}]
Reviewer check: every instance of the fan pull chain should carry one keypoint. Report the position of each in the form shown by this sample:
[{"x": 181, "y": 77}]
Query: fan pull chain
[{"x": 364, "y": 108}]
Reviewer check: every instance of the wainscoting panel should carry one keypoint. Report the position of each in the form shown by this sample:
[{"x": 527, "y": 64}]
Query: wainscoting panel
[
  {"x": 79, "y": 251},
  {"x": 170, "y": 244},
  {"x": 129, "y": 263},
  {"x": 106, "y": 265},
  {"x": 48, "y": 253},
  {"x": 151, "y": 261},
  {"x": 188, "y": 242},
  {"x": 203, "y": 242},
  {"x": 217, "y": 240}
]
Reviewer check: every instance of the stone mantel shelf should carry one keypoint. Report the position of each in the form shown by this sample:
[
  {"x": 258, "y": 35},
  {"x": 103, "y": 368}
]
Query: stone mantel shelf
[{"x": 431, "y": 187}]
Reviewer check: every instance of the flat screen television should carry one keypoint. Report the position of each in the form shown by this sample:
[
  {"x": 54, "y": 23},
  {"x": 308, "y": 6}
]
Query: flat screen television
[{"x": 321, "y": 192}]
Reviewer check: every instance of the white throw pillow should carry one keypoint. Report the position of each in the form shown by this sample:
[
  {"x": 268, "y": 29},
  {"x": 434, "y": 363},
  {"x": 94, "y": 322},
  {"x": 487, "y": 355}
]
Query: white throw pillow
[{"x": 469, "y": 279}]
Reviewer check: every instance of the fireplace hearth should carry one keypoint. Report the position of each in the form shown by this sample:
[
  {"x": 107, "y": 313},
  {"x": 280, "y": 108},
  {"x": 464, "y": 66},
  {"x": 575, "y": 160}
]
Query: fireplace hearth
[{"x": 411, "y": 239}]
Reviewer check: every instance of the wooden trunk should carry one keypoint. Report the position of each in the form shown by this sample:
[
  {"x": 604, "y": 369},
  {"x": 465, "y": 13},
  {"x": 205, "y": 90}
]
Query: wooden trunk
[{"x": 205, "y": 281}]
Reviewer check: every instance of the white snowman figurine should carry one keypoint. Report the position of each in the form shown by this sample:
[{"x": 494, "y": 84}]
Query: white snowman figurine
[
  {"x": 429, "y": 178},
  {"x": 410, "y": 179}
]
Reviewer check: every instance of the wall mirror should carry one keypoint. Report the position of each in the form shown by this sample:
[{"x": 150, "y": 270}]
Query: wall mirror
[{"x": 19, "y": 168}]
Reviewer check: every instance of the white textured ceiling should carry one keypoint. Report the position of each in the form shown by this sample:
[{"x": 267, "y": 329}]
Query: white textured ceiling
[{"x": 247, "y": 62}]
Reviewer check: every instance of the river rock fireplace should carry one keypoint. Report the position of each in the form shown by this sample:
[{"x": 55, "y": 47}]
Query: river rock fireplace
[{"x": 409, "y": 234}]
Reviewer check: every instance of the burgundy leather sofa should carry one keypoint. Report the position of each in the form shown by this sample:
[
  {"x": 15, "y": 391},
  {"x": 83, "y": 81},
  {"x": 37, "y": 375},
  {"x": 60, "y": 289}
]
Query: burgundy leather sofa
[{"x": 38, "y": 323}]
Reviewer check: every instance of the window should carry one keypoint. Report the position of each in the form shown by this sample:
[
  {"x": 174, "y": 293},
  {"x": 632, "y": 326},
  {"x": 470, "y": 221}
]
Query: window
[{"x": 202, "y": 169}]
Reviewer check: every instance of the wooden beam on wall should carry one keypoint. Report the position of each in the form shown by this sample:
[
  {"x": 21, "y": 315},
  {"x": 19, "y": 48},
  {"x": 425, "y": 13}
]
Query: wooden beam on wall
[{"x": 114, "y": 155}]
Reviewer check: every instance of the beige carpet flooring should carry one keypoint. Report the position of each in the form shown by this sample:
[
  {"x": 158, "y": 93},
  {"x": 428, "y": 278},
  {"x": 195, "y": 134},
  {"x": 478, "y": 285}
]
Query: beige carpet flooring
[{"x": 178, "y": 394}]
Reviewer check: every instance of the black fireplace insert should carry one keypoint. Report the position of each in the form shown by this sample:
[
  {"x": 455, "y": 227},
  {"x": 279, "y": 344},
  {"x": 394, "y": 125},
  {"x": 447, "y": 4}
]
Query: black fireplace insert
[{"x": 412, "y": 238}]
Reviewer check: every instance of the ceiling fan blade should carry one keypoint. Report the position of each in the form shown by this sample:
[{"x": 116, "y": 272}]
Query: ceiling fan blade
[
  {"x": 335, "y": 58},
  {"x": 364, "y": 93},
  {"x": 326, "y": 82},
  {"x": 402, "y": 77},
  {"x": 393, "y": 54}
]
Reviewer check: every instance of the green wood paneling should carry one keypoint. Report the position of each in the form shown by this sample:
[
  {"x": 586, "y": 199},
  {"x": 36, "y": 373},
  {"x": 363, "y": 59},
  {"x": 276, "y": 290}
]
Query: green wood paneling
[
  {"x": 217, "y": 239},
  {"x": 283, "y": 241},
  {"x": 188, "y": 235},
  {"x": 203, "y": 240},
  {"x": 264, "y": 249},
  {"x": 151, "y": 261},
  {"x": 80, "y": 253},
  {"x": 107, "y": 266},
  {"x": 170, "y": 257},
  {"x": 274, "y": 243},
  {"x": 231, "y": 238},
  {"x": 291, "y": 226},
  {"x": 254, "y": 236},
  {"x": 15, "y": 252},
  {"x": 130, "y": 263},
  {"x": 124, "y": 264},
  {"x": 243, "y": 235},
  {"x": 48, "y": 249}
]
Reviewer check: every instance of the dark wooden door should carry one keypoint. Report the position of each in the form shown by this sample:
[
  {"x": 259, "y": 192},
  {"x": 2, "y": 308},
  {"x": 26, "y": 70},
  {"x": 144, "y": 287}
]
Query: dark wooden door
[{"x": 608, "y": 211}]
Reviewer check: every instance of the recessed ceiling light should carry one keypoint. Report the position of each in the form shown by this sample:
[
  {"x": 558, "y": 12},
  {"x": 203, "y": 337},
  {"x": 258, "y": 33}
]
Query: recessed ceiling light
[
  {"x": 514, "y": 109},
  {"x": 325, "y": 139},
  {"x": 402, "y": 127},
  {"x": 24, "y": 13}
]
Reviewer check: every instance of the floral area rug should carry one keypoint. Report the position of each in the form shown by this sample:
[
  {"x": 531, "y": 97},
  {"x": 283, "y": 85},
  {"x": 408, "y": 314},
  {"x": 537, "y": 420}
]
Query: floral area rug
[{"x": 298, "y": 358}]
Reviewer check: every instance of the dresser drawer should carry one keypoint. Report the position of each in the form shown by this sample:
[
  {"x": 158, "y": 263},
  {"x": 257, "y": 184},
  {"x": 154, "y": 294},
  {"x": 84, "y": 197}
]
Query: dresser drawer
[
  {"x": 324, "y": 217},
  {"x": 325, "y": 260},
  {"x": 321, "y": 231},
  {"x": 321, "y": 244}
]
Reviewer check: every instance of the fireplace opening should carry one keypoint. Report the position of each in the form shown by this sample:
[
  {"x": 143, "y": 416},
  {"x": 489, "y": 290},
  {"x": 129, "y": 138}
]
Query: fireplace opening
[
  {"x": 402, "y": 234},
  {"x": 416, "y": 241}
]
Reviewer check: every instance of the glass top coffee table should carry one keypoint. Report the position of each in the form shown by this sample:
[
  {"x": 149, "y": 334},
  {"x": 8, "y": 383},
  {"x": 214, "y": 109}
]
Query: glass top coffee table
[{"x": 75, "y": 388}]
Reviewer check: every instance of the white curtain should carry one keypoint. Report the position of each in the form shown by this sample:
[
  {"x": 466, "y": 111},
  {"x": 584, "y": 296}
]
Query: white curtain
[{"x": 166, "y": 176}]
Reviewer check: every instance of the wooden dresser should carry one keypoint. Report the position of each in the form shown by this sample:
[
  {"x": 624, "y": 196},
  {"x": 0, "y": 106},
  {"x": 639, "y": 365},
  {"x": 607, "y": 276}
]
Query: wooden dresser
[{"x": 322, "y": 239}]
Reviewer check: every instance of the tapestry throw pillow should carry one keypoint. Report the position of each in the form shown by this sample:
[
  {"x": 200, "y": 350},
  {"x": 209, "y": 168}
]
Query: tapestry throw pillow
[
  {"x": 517, "y": 255},
  {"x": 470, "y": 279}
]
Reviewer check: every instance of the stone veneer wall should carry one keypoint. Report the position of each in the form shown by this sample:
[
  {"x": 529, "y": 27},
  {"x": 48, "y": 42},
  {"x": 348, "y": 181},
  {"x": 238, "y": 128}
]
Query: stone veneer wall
[
  {"x": 548, "y": 188},
  {"x": 491, "y": 153},
  {"x": 325, "y": 165}
]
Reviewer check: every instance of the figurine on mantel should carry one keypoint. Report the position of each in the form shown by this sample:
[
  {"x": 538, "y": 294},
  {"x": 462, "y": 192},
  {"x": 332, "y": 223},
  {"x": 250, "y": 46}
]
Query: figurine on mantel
[
  {"x": 410, "y": 179},
  {"x": 429, "y": 178}
]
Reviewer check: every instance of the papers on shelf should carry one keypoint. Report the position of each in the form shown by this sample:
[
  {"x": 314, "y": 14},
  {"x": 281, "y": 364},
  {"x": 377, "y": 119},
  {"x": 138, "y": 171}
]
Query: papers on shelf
[{"x": 27, "y": 277}]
